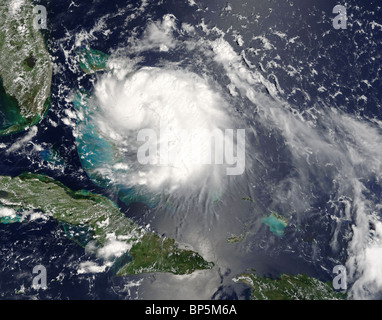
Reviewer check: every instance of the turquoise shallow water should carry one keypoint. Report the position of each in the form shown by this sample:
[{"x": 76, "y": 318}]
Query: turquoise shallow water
[
  {"x": 97, "y": 154},
  {"x": 276, "y": 226},
  {"x": 91, "y": 60},
  {"x": 10, "y": 219},
  {"x": 93, "y": 150},
  {"x": 7, "y": 220}
]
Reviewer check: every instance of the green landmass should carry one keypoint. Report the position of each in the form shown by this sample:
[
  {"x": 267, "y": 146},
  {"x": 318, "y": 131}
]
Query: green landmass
[
  {"x": 276, "y": 223},
  {"x": 83, "y": 213},
  {"x": 25, "y": 68},
  {"x": 91, "y": 60},
  {"x": 288, "y": 287},
  {"x": 236, "y": 239},
  {"x": 164, "y": 255}
]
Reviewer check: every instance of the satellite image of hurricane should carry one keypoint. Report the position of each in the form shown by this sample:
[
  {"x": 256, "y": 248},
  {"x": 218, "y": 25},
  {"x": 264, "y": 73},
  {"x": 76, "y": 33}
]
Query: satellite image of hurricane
[{"x": 190, "y": 149}]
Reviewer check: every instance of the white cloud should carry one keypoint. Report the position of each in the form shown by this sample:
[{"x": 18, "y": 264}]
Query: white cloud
[
  {"x": 7, "y": 212},
  {"x": 152, "y": 98},
  {"x": 113, "y": 248},
  {"x": 90, "y": 267},
  {"x": 22, "y": 141},
  {"x": 159, "y": 35},
  {"x": 16, "y": 5}
]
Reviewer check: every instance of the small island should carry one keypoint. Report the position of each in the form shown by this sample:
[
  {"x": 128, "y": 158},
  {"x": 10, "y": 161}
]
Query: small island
[
  {"x": 247, "y": 199},
  {"x": 276, "y": 223},
  {"x": 236, "y": 239},
  {"x": 91, "y": 60}
]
